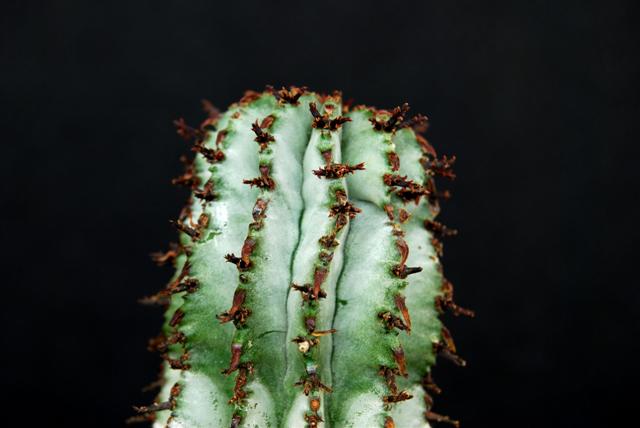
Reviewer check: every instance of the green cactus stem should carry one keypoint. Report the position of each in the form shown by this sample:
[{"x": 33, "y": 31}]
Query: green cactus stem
[{"x": 308, "y": 288}]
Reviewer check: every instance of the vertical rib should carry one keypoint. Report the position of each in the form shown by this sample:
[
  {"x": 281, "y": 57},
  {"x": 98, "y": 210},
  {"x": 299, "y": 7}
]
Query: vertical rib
[{"x": 316, "y": 266}]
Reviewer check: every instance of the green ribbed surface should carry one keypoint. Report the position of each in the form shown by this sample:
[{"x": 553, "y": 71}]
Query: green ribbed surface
[{"x": 300, "y": 266}]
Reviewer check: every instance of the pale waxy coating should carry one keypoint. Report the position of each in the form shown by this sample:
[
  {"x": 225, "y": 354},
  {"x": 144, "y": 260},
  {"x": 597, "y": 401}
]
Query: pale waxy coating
[{"x": 312, "y": 284}]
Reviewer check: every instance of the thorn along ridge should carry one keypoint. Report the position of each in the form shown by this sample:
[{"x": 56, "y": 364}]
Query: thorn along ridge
[
  {"x": 419, "y": 122},
  {"x": 236, "y": 353},
  {"x": 397, "y": 120},
  {"x": 343, "y": 209},
  {"x": 244, "y": 261},
  {"x": 206, "y": 193},
  {"x": 262, "y": 138},
  {"x": 328, "y": 241},
  {"x": 238, "y": 313},
  {"x": 189, "y": 285},
  {"x": 429, "y": 385},
  {"x": 313, "y": 420},
  {"x": 178, "y": 364},
  {"x": 435, "y": 417},
  {"x": 442, "y": 167},
  {"x": 155, "y": 407},
  {"x": 396, "y": 116},
  {"x": 161, "y": 343},
  {"x": 401, "y": 270},
  {"x": 406, "y": 189},
  {"x": 187, "y": 132},
  {"x": 445, "y": 301},
  {"x": 213, "y": 112},
  {"x": 323, "y": 121},
  {"x": 289, "y": 127},
  {"x": 398, "y": 355},
  {"x": 156, "y": 384},
  {"x": 211, "y": 155},
  {"x": 194, "y": 231},
  {"x": 156, "y": 299},
  {"x": 259, "y": 210},
  {"x": 402, "y": 307},
  {"x": 439, "y": 229},
  {"x": 236, "y": 420},
  {"x": 188, "y": 178},
  {"x": 391, "y": 321},
  {"x": 442, "y": 350},
  {"x": 311, "y": 382},
  {"x": 239, "y": 393},
  {"x": 264, "y": 181},
  {"x": 249, "y": 97},
  {"x": 169, "y": 256},
  {"x": 338, "y": 170},
  {"x": 434, "y": 195},
  {"x": 395, "y": 395},
  {"x": 396, "y": 398},
  {"x": 169, "y": 404},
  {"x": 289, "y": 96},
  {"x": 176, "y": 318},
  {"x": 138, "y": 419},
  {"x": 394, "y": 161},
  {"x": 308, "y": 293},
  {"x": 427, "y": 148}
]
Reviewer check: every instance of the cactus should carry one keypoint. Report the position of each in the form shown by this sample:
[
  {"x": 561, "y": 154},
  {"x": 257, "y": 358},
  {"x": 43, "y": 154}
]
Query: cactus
[{"x": 307, "y": 286}]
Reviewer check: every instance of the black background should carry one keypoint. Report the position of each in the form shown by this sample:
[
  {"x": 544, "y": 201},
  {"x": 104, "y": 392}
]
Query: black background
[{"x": 538, "y": 99}]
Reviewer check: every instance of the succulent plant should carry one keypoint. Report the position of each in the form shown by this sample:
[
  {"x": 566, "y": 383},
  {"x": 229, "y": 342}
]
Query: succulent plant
[{"x": 307, "y": 286}]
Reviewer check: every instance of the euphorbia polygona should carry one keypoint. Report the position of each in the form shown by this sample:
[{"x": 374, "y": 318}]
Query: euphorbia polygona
[{"x": 308, "y": 283}]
